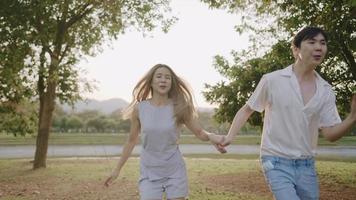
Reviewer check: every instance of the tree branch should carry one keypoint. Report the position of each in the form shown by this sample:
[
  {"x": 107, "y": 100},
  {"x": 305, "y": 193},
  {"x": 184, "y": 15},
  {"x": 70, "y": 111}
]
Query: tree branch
[
  {"x": 85, "y": 10},
  {"x": 62, "y": 55},
  {"x": 349, "y": 58}
]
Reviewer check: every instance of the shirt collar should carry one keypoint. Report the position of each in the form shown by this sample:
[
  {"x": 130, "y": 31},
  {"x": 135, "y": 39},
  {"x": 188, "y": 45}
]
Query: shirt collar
[
  {"x": 321, "y": 81},
  {"x": 288, "y": 71}
]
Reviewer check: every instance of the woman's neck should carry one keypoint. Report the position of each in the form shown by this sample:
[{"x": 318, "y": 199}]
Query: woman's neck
[{"x": 159, "y": 100}]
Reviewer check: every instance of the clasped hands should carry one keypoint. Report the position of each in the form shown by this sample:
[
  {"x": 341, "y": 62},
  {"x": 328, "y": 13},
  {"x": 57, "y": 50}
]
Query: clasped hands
[{"x": 219, "y": 141}]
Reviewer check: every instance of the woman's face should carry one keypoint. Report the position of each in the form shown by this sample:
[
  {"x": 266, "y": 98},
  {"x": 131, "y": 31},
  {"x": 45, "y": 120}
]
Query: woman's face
[{"x": 162, "y": 81}]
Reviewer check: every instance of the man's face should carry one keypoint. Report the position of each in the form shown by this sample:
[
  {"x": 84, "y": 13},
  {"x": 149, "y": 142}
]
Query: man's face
[{"x": 312, "y": 51}]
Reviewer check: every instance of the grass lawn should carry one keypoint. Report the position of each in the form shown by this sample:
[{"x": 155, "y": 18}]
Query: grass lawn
[
  {"x": 88, "y": 139},
  {"x": 209, "y": 178}
]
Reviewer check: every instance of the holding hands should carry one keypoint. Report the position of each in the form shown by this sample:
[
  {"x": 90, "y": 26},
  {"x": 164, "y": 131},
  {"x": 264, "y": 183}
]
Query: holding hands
[{"x": 218, "y": 141}]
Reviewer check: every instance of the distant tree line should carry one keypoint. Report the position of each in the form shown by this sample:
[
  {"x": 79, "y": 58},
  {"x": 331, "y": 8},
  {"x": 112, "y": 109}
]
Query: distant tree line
[
  {"x": 94, "y": 121},
  {"x": 89, "y": 121}
]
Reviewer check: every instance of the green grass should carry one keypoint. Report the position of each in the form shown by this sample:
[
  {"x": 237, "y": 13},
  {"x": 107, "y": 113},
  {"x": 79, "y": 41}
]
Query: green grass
[
  {"x": 105, "y": 138},
  {"x": 66, "y": 139},
  {"x": 209, "y": 178}
]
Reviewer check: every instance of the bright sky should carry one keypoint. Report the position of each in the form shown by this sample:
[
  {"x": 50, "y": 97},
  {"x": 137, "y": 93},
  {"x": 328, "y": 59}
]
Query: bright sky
[{"x": 188, "y": 48}]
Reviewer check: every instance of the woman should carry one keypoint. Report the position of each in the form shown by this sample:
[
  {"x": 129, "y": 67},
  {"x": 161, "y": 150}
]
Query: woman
[{"x": 162, "y": 104}]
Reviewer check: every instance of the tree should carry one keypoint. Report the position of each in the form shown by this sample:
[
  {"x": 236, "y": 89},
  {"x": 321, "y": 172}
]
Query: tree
[
  {"x": 75, "y": 124},
  {"x": 280, "y": 20},
  {"x": 16, "y": 111},
  {"x": 43, "y": 40},
  {"x": 243, "y": 77},
  {"x": 18, "y": 120},
  {"x": 97, "y": 124}
]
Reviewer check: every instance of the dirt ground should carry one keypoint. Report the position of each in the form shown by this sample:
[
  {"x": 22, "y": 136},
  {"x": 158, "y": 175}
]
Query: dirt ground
[
  {"x": 68, "y": 188},
  {"x": 51, "y": 190},
  {"x": 126, "y": 190},
  {"x": 243, "y": 183}
]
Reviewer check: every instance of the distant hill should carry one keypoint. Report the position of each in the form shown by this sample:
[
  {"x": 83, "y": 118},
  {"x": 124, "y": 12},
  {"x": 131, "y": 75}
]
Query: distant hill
[
  {"x": 108, "y": 106},
  {"x": 105, "y": 106}
]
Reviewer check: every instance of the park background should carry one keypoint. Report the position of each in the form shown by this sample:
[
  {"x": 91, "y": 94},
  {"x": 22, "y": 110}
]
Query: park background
[{"x": 67, "y": 69}]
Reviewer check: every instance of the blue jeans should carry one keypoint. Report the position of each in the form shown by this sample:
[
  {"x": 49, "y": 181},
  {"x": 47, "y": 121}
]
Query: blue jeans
[{"x": 291, "y": 179}]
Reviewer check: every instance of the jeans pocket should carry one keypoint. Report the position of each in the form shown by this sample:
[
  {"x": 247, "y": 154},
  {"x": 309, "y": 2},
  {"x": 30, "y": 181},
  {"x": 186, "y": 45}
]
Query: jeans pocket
[{"x": 267, "y": 165}]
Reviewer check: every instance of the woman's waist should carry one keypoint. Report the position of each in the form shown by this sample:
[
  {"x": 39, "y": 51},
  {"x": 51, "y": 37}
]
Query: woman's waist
[{"x": 149, "y": 157}]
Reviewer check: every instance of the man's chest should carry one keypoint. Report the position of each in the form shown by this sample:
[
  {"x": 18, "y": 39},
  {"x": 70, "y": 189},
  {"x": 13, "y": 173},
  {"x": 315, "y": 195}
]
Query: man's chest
[
  {"x": 292, "y": 96},
  {"x": 307, "y": 90}
]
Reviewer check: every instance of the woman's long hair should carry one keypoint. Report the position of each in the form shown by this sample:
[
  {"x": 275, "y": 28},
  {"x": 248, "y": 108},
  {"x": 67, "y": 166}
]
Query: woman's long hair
[{"x": 180, "y": 93}]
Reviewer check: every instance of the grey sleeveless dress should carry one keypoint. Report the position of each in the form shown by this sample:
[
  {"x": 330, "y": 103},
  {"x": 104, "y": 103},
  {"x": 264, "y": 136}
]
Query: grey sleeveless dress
[{"x": 160, "y": 156}]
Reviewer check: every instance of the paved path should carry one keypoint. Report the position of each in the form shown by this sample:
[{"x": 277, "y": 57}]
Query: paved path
[{"x": 27, "y": 151}]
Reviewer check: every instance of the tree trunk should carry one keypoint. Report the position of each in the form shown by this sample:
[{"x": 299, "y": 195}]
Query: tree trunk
[
  {"x": 45, "y": 121},
  {"x": 47, "y": 104}
]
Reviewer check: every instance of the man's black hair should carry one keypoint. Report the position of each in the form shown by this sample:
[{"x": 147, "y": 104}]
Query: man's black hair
[{"x": 306, "y": 33}]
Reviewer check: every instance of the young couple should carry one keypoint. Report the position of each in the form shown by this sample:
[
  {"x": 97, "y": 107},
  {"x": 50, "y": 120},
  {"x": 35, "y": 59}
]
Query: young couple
[{"x": 297, "y": 102}]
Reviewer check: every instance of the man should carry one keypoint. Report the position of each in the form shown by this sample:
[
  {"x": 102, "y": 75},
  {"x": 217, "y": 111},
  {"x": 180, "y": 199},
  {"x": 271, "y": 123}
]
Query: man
[{"x": 298, "y": 104}]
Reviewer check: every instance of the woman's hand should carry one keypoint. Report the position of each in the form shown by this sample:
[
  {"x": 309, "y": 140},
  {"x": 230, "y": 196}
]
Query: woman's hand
[
  {"x": 112, "y": 177},
  {"x": 217, "y": 141}
]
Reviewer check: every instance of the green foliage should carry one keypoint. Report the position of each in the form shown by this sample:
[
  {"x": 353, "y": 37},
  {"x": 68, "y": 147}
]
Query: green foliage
[
  {"x": 272, "y": 24},
  {"x": 18, "y": 120},
  {"x": 34, "y": 33},
  {"x": 41, "y": 42},
  {"x": 243, "y": 77}
]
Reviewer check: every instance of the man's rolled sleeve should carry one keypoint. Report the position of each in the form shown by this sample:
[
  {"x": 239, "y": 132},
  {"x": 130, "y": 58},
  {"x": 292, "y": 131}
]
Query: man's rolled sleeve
[
  {"x": 259, "y": 98},
  {"x": 329, "y": 115}
]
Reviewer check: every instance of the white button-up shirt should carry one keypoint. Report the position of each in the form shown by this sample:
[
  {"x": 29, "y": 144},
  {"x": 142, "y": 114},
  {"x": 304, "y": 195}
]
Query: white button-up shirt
[{"x": 290, "y": 128}]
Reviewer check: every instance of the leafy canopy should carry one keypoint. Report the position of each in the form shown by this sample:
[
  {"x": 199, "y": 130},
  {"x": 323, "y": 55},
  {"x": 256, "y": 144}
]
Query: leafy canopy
[{"x": 272, "y": 24}]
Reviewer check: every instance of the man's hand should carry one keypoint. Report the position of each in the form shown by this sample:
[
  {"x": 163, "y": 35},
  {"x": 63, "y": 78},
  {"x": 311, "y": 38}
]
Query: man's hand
[
  {"x": 227, "y": 140},
  {"x": 353, "y": 90},
  {"x": 217, "y": 140},
  {"x": 353, "y": 107}
]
